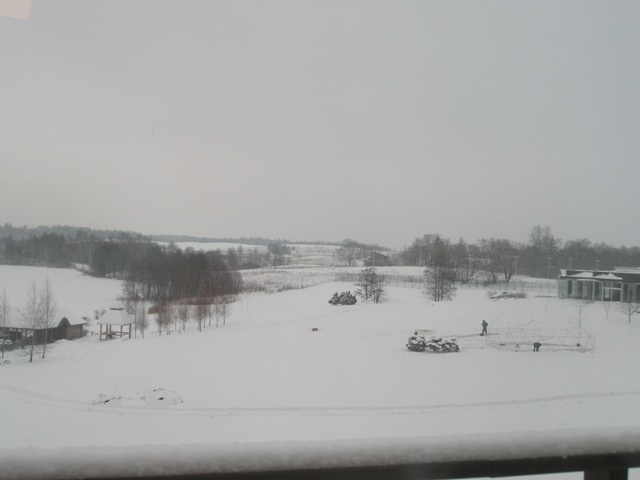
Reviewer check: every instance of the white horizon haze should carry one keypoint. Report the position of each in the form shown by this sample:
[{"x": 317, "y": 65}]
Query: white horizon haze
[{"x": 368, "y": 120}]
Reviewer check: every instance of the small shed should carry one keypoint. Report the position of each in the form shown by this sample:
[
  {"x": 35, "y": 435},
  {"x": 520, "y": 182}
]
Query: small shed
[
  {"x": 115, "y": 322},
  {"x": 69, "y": 327},
  {"x": 66, "y": 326}
]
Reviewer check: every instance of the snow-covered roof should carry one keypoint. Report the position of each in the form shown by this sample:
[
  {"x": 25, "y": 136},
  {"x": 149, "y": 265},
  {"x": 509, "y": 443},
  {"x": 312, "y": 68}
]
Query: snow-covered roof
[
  {"x": 584, "y": 275},
  {"x": 608, "y": 276},
  {"x": 72, "y": 318},
  {"x": 16, "y": 320},
  {"x": 635, "y": 270},
  {"x": 116, "y": 317},
  {"x": 602, "y": 275}
]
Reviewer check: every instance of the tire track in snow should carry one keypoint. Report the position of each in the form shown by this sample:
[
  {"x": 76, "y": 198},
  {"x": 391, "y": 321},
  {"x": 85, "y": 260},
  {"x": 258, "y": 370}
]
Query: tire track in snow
[{"x": 14, "y": 394}]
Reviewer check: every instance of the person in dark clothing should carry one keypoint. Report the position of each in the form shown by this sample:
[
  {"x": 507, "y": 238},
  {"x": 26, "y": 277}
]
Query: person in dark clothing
[
  {"x": 484, "y": 327},
  {"x": 536, "y": 346}
]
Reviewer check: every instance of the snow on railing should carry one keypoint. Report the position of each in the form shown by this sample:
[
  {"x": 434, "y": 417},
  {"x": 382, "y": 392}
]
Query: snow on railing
[{"x": 600, "y": 453}]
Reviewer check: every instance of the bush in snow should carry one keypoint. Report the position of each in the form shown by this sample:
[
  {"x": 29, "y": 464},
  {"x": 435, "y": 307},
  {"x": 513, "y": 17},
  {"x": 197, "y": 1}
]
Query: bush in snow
[
  {"x": 344, "y": 298},
  {"x": 498, "y": 295}
]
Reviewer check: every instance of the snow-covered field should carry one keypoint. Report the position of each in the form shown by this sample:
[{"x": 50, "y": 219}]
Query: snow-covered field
[
  {"x": 300, "y": 255},
  {"x": 290, "y": 378}
]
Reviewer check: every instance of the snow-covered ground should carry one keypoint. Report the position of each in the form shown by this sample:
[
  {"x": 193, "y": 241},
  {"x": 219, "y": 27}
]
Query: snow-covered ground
[{"x": 290, "y": 378}]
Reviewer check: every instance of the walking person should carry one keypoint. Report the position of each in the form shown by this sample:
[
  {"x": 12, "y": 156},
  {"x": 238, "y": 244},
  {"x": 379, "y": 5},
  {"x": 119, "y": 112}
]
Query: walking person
[{"x": 484, "y": 327}]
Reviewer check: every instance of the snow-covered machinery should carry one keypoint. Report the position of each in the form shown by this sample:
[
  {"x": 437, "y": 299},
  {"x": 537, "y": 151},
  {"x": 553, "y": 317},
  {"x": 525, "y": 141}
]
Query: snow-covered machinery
[
  {"x": 439, "y": 345},
  {"x": 417, "y": 343}
]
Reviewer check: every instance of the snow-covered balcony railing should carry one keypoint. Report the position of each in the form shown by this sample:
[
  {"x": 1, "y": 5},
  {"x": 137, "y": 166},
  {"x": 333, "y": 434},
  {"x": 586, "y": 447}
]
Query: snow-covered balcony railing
[{"x": 600, "y": 453}]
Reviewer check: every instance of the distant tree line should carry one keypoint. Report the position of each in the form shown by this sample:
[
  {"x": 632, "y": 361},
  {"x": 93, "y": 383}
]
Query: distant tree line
[
  {"x": 160, "y": 271},
  {"x": 48, "y": 249},
  {"x": 500, "y": 259},
  {"x": 108, "y": 253},
  {"x": 57, "y": 246},
  {"x": 117, "y": 254},
  {"x": 23, "y": 232}
]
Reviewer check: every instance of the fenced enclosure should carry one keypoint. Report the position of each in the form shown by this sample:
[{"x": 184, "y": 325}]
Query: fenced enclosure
[
  {"x": 550, "y": 338},
  {"x": 404, "y": 277}
]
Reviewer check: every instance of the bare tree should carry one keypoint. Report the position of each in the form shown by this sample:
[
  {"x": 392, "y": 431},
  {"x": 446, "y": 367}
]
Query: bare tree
[
  {"x": 629, "y": 309},
  {"x": 183, "y": 314},
  {"x": 419, "y": 252},
  {"x": 578, "y": 254},
  {"x": 164, "y": 317},
  {"x": 378, "y": 291},
  {"x": 32, "y": 315},
  {"x": 132, "y": 298},
  {"x": 440, "y": 275},
  {"x": 141, "y": 321},
  {"x": 544, "y": 249},
  {"x": 349, "y": 251},
  {"x": 440, "y": 283},
  {"x": 210, "y": 312},
  {"x": 499, "y": 258},
  {"x": 465, "y": 264},
  {"x": 48, "y": 308},
  {"x": 580, "y": 306},
  {"x": 5, "y": 311},
  {"x": 607, "y": 306},
  {"x": 221, "y": 308},
  {"x": 202, "y": 309},
  {"x": 370, "y": 285}
]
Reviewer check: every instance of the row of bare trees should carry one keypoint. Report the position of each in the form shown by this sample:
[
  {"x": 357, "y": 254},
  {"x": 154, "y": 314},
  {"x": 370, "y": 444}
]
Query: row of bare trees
[
  {"x": 39, "y": 313},
  {"x": 173, "y": 317},
  {"x": 440, "y": 273},
  {"x": 439, "y": 277},
  {"x": 176, "y": 285},
  {"x": 37, "y": 316},
  {"x": 500, "y": 259}
]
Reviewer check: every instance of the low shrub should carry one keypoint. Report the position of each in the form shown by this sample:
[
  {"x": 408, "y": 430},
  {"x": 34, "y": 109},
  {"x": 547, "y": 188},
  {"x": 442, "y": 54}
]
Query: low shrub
[
  {"x": 344, "y": 298},
  {"x": 499, "y": 295}
]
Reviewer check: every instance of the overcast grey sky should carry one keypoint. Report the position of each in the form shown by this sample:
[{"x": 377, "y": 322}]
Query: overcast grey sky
[{"x": 321, "y": 120}]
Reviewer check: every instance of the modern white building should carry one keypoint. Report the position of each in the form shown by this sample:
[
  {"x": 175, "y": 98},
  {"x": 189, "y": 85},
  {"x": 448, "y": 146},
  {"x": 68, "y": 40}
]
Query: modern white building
[{"x": 619, "y": 285}]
